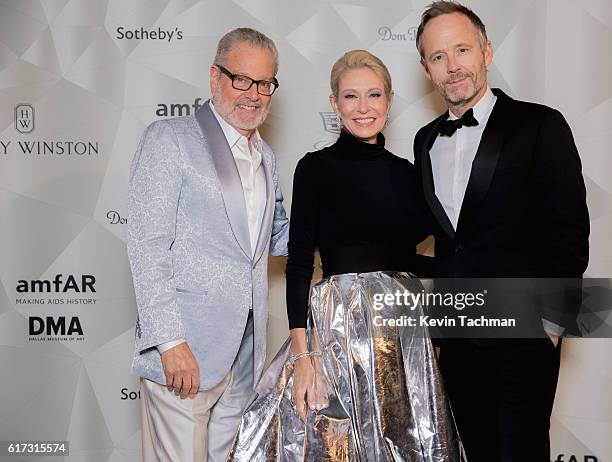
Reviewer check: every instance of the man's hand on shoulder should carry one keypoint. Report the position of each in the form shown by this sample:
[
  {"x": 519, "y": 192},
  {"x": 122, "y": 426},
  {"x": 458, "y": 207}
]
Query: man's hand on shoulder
[{"x": 181, "y": 370}]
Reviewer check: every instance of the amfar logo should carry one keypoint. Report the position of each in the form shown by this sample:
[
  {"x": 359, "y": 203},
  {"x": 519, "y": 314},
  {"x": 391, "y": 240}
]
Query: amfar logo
[
  {"x": 55, "y": 328},
  {"x": 561, "y": 458},
  {"x": 60, "y": 284},
  {"x": 57, "y": 285},
  {"x": 24, "y": 118},
  {"x": 178, "y": 109},
  {"x": 386, "y": 34},
  {"x": 114, "y": 218}
]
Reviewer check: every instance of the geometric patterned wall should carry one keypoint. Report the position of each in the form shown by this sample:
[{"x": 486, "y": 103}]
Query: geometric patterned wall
[{"x": 77, "y": 79}]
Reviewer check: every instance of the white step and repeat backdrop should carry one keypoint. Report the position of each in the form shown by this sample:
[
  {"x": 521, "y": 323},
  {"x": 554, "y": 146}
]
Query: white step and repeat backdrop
[{"x": 80, "y": 80}]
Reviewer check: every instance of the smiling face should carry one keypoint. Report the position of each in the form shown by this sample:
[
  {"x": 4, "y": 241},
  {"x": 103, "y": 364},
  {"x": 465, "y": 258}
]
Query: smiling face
[
  {"x": 243, "y": 110},
  {"x": 456, "y": 60},
  {"x": 361, "y": 103}
]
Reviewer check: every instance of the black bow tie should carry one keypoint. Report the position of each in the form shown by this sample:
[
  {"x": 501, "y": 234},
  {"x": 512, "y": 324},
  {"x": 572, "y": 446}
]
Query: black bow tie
[{"x": 449, "y": 127}]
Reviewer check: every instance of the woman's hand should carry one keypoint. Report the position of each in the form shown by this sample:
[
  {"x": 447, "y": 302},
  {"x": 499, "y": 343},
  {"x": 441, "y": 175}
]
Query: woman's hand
[
  {"x": 303, "y": 385},
  {"x": 309, "y": 384}
]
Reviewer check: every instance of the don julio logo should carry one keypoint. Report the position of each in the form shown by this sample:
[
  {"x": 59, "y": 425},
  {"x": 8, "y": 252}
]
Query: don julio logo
[{"x": 24, "y": 118}]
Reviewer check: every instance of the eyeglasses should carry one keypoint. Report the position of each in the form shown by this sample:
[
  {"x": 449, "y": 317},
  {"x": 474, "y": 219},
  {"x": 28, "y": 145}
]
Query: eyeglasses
[{"x": 242, "y": 82}]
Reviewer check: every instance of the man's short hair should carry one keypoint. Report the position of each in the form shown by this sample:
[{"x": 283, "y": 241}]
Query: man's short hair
[
  {"x": 448, "y": 7},
  {"x": 245, "y": 34}
]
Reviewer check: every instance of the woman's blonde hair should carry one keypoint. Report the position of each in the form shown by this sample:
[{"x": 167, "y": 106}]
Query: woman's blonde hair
[{"x": 358, "y": 59}]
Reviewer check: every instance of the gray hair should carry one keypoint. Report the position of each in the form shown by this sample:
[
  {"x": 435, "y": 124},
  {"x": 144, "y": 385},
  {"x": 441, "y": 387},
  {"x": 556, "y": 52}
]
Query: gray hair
[
  {"x": 245, "y": 34},
  {"x": 440, "y": 8}
]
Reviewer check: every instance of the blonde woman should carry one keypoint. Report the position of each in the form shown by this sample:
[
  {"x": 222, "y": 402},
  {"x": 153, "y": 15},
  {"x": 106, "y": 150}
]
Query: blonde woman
[{"x": 334, "y": 392}]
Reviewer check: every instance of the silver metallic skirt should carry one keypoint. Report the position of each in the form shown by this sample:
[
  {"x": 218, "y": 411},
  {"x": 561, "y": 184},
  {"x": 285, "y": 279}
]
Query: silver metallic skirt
[{"x": 383, "y": 386}]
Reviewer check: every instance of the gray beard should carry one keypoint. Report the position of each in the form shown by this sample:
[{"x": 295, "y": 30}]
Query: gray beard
[
  {"x": 462, "y": 101},
  {"x": 231, "y": 119}
]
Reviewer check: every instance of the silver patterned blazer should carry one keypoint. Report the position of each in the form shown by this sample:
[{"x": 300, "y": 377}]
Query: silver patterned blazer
[{"x": 195, "y": 276}]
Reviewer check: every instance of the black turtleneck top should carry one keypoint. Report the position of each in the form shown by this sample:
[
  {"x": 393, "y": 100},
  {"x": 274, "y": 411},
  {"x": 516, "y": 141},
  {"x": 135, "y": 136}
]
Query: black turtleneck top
[{"x": 357, "y": 204}]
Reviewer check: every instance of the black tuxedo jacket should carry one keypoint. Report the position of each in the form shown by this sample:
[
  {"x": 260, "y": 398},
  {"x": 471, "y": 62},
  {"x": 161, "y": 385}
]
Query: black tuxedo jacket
[{"x": 524, "y": 213}]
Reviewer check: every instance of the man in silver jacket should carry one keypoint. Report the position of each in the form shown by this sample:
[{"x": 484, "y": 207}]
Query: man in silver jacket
[{"x": 205, "y": 210}]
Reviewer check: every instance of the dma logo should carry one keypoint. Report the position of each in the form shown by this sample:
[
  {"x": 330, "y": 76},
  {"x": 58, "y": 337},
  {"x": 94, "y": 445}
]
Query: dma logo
[
  {"x": 55, "y": 329},
  {"x": 55, "y": 326}
]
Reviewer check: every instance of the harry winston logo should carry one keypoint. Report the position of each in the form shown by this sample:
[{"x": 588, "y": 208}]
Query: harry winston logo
[{"x": 24, "y": 118}]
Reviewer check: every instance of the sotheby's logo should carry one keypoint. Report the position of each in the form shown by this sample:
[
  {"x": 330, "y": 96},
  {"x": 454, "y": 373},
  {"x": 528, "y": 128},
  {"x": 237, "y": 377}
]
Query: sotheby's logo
[
  {"x": 141, "y": 33},
  {"x": 131, "y": 395}
]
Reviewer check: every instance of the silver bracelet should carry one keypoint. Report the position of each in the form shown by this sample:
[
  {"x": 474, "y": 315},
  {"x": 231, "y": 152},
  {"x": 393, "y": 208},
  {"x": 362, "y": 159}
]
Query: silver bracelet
[{"x": 303, "y": 354}]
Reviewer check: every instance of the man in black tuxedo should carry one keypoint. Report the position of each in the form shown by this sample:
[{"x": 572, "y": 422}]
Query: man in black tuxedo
[{"x": 502, "y": 180}]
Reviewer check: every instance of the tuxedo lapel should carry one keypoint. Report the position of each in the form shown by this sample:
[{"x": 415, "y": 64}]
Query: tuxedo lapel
[
  {"x": 429, "y": 189},
  {"x": 485, "y": 162},
  {"x": 229, "y": 178},
  {"x": 266, "y": 222}
]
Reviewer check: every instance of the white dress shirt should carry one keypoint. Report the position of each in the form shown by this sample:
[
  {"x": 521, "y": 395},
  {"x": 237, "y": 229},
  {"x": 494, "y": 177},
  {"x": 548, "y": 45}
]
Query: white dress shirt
[
  {"x": 247, "y": 154},
  {"x": 452, "y": 157}
]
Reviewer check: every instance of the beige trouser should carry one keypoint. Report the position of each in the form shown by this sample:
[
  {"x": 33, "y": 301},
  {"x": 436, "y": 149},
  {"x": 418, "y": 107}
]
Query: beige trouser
[{"x": 199, "y": 429}]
